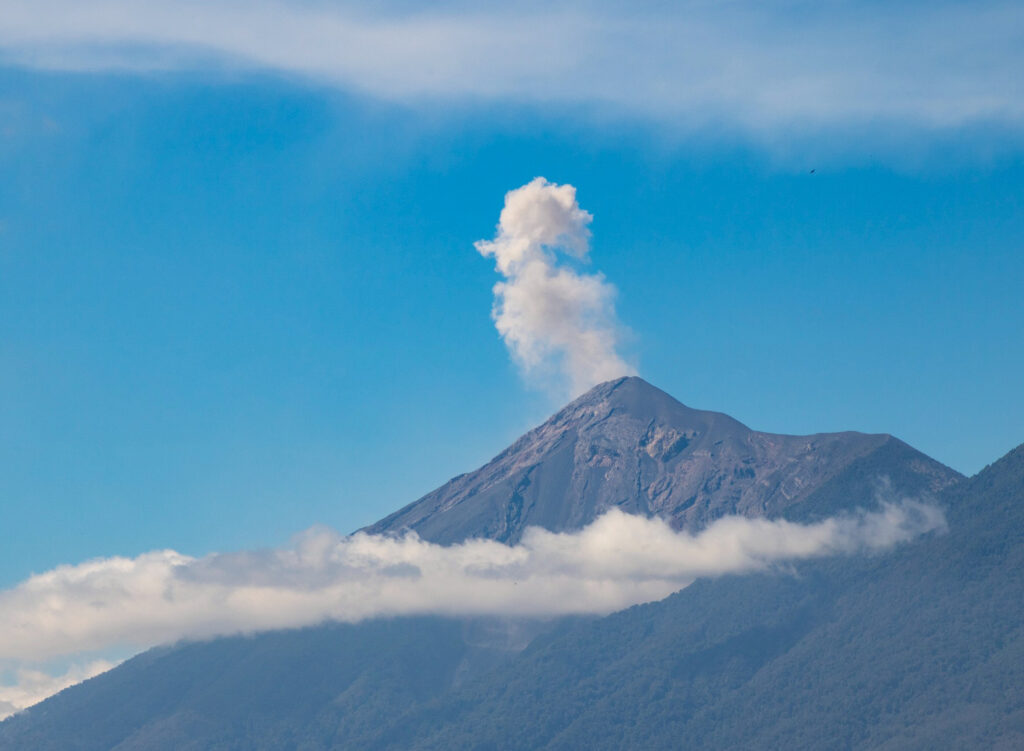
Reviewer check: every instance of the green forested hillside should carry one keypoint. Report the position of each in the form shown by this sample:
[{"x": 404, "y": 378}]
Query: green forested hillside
[{"x": 294, "y": 689}]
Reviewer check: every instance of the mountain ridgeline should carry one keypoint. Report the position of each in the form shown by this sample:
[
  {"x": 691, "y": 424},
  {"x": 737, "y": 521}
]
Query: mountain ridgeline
[
  {"x": 629, "y": 445},
  {"x": 921, "y": 647}
]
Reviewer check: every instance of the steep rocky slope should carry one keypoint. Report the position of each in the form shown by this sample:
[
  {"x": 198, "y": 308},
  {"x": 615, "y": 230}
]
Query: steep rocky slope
[{"x": 628, "y": 444}]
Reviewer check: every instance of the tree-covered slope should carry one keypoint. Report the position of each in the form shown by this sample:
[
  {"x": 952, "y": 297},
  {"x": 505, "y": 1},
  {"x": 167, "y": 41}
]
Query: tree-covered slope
[
  {"x": 307, "y": 688},
  {"x": 922, "y": 648}
]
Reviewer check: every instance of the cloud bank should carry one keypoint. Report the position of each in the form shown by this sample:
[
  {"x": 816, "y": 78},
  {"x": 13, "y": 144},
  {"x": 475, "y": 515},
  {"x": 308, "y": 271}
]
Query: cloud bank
[
  {"x": 617, "y": 561},
  {"x": 553, "y": 318},
  {"x": 760, "y": 67}
]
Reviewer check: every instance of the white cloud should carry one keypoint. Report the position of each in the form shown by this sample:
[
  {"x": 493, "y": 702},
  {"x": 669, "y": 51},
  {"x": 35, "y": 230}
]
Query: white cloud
[
  {"x": 33, "y": 686},
  {"x": 617, "y": 561},
  {"x": 553, "y": 318},
  {"x": 763, "y": 67}
]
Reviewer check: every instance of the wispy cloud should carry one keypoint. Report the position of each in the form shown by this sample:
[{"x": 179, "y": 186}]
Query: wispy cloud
[
  {"x": 557, "y": 321},
  {"x": 617, "y": 561},
  {"x": 757, "y": 66},
  {"x": 32, "y": 686}
]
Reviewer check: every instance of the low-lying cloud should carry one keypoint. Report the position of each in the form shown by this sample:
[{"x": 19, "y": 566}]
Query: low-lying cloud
[
  {"x": 32, "y": 686},
  {"x": 557, "y": 321},
  {"x": 617, "y": 561}
]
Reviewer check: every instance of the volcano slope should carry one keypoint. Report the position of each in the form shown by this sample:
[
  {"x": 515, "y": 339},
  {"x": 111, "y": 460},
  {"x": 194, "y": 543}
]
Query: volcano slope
[
  {"x": 629, "y": 445},
  {"x": 919, "y": 647}
]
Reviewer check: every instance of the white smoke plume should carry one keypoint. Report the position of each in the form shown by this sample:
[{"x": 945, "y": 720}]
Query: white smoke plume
[
  {"x": 617, "y": 561},
  {"x": 553, "y": 318}
]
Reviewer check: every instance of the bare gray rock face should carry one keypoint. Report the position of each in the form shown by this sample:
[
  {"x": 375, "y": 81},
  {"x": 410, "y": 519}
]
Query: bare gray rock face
[{"x": 629, "y": 445}]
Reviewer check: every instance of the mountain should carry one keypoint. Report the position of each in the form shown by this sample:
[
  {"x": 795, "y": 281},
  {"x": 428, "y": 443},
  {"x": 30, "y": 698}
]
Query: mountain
[
  {"x": 630, "y": 445},
  {"x": 312, "y": 688},
  {"x": 918, "y": 648},
  {"x": 921, "y": 648}
]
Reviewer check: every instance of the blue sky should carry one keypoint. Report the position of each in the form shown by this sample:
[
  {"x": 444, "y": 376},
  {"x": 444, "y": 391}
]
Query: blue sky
[{"x": 239, "y": 294}]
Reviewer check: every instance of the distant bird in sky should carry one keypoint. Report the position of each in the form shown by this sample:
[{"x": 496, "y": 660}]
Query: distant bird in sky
[{"x": 812, "y": 172}]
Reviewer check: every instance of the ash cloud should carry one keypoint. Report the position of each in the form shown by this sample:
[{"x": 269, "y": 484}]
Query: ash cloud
[{"x": 558, "y": 322}]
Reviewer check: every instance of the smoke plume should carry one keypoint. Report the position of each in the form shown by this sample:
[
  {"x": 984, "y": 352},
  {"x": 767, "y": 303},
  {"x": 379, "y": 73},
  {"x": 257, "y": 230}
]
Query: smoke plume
[{"x": 555, "y": 320}]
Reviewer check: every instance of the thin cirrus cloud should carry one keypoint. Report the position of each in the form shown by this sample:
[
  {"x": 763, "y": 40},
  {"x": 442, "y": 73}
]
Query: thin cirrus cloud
[{"x": 758, "y": 67}]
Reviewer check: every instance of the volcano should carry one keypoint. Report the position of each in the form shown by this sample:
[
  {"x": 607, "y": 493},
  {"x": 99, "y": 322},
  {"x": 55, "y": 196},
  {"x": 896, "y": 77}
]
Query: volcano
[
  {"x": 917, "y": 648},
  {"x": 629, "y": 445}
]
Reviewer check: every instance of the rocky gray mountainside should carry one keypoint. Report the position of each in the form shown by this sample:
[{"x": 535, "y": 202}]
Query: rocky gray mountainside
[{"x": 628, "y": 444}]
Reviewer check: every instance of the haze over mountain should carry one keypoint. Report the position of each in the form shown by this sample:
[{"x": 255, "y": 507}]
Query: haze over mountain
[
  {"x": 626, "y": 444},
  {"x": 692, "y": 664}
]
